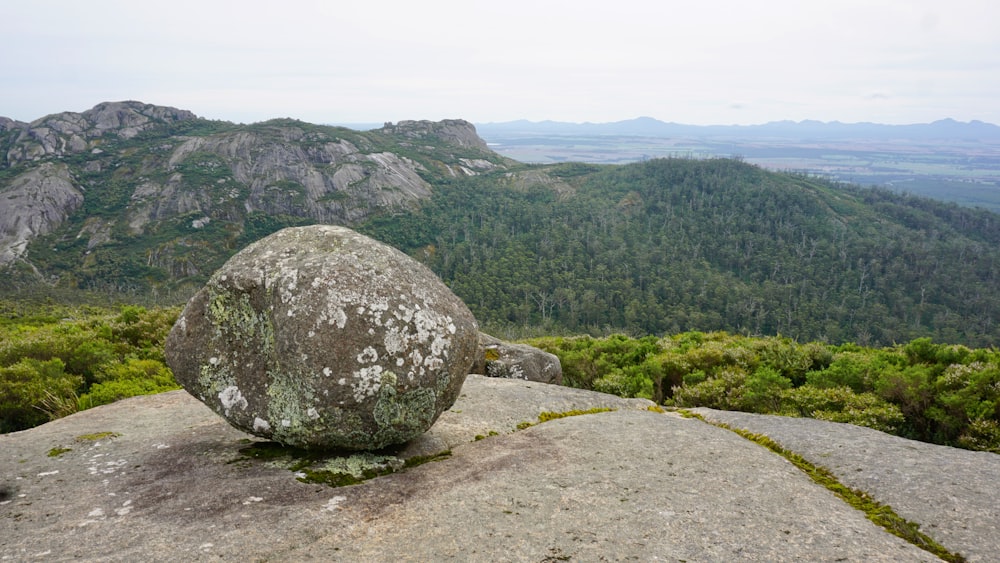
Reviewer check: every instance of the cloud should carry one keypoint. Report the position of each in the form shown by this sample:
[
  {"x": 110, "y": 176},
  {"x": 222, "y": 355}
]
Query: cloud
[
  {"x": 875, "y": 96},
  {"x": 588, "y": 60}
]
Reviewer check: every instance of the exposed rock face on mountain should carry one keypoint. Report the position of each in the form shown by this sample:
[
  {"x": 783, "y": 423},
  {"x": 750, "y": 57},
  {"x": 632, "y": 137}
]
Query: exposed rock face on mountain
[
  {"x": 283, "y": 172},
  {"x": 163, "y": 478},
  {"x": 67, "y": 133},
  {"x": 320, "y": 337},
  {"x": 35, "y": 203},
  {"x": 452, "y": 131},
  {"x": 170, "y": 196}
]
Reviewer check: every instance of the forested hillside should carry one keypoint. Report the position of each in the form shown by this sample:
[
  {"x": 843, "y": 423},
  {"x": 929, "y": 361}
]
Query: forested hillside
[
  {"x": 672, "y": 245},
  {"x": 139, "y": 204}
]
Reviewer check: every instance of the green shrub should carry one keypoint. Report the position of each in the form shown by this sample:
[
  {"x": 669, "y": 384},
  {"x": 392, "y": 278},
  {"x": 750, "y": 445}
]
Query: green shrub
[
  {"x": 856, "y": 370},
  {"x": 694, "y": 378},
  {"x": 841, "y": 404},
  {"x": 945, "y": 394},
  {"x": 982, "y": 435},
  {"x": 762, "y": 391},
  {"x": 911, "y": 389},
  {"x": 132, "y": 378},
  {"x": 27, "y": 385},
  {"x": 789, "y": 358},
  {"x": 723, "y": 391},
  {"x": 55, "y": 363}
]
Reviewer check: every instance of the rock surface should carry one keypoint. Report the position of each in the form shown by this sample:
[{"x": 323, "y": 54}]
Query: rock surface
[
  {"x": 456, "y": 132},
  {"x": 35, "y": 203},
  {"x": 497, "y": 358},
  {"x": 69, "y": 132},
  {"x": 954, "y": 493},
  {"x": 321, "y": 337},
  {"x": 172, "y": 485}
]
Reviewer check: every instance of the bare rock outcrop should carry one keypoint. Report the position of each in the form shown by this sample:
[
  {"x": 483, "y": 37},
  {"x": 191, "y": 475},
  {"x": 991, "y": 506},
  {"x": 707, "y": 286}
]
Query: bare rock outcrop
[
  {"x": 35, "y": 203},
  {"x": 69, "y": 132},
  {"x": 325, "y": 179},
  {"x": 321, "y": 337},
  {"x": 497, "y": 358},
  {"x": 456, "y": 132},
  {"x": 163, "y": 478}
]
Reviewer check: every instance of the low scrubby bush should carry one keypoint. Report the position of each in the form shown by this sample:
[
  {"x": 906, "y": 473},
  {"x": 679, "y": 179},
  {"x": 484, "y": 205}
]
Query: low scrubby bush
[
  {"x": 932, "y": 392},
  {"x": 57, "y": 361}
]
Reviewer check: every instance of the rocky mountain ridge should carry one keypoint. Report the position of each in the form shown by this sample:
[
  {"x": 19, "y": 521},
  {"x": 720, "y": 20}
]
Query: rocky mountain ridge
[
  {"x": 126, "y": 170},
  {"x": 66, "y": 133}
]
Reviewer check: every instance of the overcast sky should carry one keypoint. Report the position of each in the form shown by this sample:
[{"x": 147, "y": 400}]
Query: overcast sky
[{"x": 696, "y": 61}]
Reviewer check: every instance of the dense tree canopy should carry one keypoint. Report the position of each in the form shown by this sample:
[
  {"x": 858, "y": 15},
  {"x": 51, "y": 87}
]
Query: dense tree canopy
[{"x": 671, "y": 245}]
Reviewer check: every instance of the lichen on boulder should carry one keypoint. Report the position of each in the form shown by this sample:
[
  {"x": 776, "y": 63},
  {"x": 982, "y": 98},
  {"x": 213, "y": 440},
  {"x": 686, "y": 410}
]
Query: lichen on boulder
[{"x": 319, "y": 337}]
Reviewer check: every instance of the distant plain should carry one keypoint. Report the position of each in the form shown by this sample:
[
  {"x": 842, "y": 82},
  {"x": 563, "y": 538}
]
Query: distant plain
[{"x": 966, "y": 172}]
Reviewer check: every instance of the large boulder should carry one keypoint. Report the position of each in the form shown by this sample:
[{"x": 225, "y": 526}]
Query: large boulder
[
  {"x": 320, "y": 337},
  {"x": 497, "y": 358}
]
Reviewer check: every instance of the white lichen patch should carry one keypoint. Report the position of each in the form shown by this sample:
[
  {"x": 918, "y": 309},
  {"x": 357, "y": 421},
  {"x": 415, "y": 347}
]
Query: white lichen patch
[
  {"x": 333, "y": 503},
  {"x": 394, "y": 341},
  {"x": 231, "y": 397},
  {"x": 432, "y": 363},
  {"x": 333, "y": 316},
  {"x": 287, "y": 281},
  {"x": 106, "y": 468},
  {"x": 367, "y": 382},
  {"x": 312, "y": 413},
  {"x": 440, "y": 346},
  {"x": 368, "y": 356},
  {"x": 261, "y": 425}
]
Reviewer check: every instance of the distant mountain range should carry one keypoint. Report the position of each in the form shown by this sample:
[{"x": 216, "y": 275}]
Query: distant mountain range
[{"x": 950, "y": 129}]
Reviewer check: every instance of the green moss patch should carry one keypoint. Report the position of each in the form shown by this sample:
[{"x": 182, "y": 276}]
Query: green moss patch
[
  {"x": 97, "y": 436},
  {"x": 547, "y": 416},
  {"x": 58, "y": 451},
  {"x": 332, "y": 468}
]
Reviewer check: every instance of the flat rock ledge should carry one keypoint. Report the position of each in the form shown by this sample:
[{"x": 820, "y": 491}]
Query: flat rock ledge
[
  {"x": 163, "y": 478},
  {"x": 953, "y": 494}
]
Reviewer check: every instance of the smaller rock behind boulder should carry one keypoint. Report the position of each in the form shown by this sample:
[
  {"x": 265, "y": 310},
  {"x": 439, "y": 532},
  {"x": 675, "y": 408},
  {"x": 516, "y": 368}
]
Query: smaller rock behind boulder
[{"x": 497, "y": 358}]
